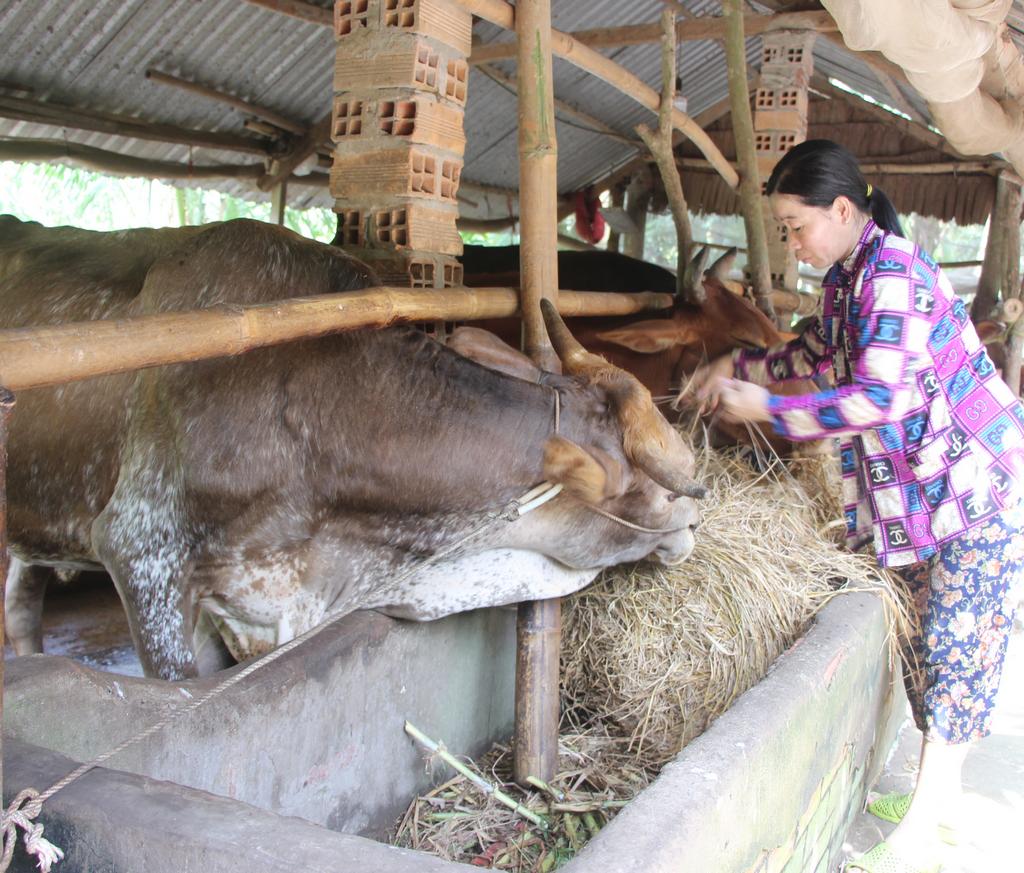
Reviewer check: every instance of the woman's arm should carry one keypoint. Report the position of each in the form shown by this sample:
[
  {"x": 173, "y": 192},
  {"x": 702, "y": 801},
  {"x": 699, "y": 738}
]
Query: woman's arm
[{"x": 801, "y": 358}]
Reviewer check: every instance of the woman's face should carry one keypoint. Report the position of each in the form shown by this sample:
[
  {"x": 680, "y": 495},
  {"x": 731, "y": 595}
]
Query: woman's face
[{"x": 818, "y": 235}]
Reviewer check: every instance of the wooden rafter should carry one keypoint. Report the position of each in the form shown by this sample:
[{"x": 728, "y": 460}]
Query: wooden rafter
[
  {"x": 314, "y": 138},
  {"x": 61, "y": 115},
  {"x": 599, "y": 126},
  {"x": 262, "y": 112},
  {"x": 104, "y": 161},
  {"x": 706, "y": 27},
  {"x": 503, "y": 14}
]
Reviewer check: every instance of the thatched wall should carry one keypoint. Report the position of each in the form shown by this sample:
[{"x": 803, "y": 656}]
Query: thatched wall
[{"x": 962, "y": 197}]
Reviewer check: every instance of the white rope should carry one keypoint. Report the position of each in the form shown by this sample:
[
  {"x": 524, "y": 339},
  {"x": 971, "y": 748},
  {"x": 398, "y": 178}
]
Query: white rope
[
  {"x": 16, "y": 816},
  {"x": 20, "y": 814}
]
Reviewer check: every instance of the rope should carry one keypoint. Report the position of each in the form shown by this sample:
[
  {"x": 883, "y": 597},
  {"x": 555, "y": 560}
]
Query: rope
[
  {"x": 17, "y": 816},
  {"x": 20, "y": 814},
  {"x": 48, "y": 854}
]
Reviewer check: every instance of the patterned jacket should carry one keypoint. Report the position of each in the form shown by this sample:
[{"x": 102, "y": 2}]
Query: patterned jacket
[{"x": 932, "y": 440}]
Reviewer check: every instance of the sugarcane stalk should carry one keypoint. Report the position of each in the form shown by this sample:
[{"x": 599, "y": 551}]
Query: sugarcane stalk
[
  {"x": 476, "y": 779},
  {"x": 546, "y": 788}
]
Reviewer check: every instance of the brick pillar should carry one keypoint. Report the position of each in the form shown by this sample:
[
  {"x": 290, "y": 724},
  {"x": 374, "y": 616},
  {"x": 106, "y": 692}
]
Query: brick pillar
[
  {"x": 780, "y": 122},
  {"x": 399, "y": 97}
]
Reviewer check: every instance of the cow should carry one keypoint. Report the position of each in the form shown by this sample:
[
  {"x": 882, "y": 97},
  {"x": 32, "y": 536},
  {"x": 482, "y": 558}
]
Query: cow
[
  {"x": 237, "y": 502},
  {"x": 659, "y": 347}
]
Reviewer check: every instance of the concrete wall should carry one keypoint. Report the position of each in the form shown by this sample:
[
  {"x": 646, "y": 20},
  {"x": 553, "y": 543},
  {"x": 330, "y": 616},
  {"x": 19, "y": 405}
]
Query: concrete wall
[
  {"x": 770, "y": 786},
  {"x": 317, "y": 735}
]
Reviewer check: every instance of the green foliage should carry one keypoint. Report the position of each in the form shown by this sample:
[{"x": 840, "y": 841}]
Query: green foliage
[{"x": 54, "y": 194}]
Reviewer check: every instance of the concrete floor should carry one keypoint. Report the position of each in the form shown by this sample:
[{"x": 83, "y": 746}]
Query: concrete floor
[{"x": 992, "y": 822}]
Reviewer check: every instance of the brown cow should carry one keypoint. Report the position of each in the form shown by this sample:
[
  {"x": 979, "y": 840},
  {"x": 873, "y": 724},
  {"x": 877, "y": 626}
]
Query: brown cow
[
  {"x": 658, "y": 348},
  {"x": 248, "y": 498}
]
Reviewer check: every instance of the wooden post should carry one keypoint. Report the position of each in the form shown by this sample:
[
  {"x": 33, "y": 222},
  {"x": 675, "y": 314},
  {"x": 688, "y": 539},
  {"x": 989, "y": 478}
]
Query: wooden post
[
  {"x": 1011, "y": 243},
  {"x": 278, "y": 202},
  {"x": 538, "y": 165},
  {"x": 660, "y": 146},
  {"x": 992, "y": 267},
  {"x": 638, "y": 199},
  {"x": 618, "y": 195},
  {"x": 6, "y": 404},
  {"x": 539, "y": 624},
  {"x": 746, "y": 156}
]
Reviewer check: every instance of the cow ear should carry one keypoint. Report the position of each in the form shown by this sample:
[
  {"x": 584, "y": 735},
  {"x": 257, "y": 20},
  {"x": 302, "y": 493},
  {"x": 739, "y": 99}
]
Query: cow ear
[
  {"x": 647, "y": 337},
  {"x": 592, "y": 476},
  {"x": 486, "y": 349}
]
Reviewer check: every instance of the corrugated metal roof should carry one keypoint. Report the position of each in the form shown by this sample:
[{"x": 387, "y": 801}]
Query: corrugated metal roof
[{"x": 94, "y": 54}]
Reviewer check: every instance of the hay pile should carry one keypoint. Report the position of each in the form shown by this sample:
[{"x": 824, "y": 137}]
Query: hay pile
[
  {"x": 660, "y": 652},
  {"x": 651, "y": 655}
]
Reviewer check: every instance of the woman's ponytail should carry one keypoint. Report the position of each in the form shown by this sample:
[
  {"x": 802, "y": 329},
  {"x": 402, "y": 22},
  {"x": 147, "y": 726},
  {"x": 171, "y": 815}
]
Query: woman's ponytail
[
  {"x": 883, "y": 213},
  {"x": 819, "y": 170}
]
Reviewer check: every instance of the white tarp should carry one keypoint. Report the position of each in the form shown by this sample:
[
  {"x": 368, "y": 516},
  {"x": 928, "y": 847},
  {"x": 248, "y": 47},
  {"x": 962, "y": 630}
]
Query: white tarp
[{"x": 958, "y": 55}]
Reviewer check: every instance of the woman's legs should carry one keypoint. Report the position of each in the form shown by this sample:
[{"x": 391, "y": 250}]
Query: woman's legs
[{"x": 953, "y": 667}]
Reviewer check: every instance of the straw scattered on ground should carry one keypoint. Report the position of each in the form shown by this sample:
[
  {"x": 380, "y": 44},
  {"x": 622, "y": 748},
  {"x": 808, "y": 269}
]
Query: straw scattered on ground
[{"x": 651, "y": 655}]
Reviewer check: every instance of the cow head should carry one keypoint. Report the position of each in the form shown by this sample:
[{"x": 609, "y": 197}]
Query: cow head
[
  {"x": 615, "y": 455},
  {"x": 725, "y": 321}
]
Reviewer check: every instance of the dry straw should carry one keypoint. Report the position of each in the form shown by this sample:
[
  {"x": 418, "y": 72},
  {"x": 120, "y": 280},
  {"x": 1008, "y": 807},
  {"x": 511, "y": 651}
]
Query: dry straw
[{"x": 651, "y": 655}]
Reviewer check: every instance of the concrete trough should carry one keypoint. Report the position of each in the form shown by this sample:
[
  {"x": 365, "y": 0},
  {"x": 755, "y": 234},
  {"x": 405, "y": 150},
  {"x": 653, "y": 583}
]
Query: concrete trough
[{"x": 299, "y": 765}]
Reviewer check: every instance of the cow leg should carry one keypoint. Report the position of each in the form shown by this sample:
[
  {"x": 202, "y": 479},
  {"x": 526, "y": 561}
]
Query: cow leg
[
  {"x": 23, "y": 605},
  {"x": 141, "y": 538}
]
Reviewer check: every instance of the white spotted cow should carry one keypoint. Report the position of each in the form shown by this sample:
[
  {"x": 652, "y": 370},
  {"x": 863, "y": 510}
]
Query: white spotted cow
[{"x": 242, "y": 500}]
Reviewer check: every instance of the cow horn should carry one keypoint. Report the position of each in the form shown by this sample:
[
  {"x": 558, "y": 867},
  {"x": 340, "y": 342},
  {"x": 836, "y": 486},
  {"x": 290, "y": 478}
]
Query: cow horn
[
  {"x": 693, "y": 278},
  {"x": 648, "y": 439},
  {"x": 576, "y": 359}
]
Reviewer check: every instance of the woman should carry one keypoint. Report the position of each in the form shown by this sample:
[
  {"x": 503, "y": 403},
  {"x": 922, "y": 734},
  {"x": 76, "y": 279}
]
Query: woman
[{"x": 932, "y": 451}]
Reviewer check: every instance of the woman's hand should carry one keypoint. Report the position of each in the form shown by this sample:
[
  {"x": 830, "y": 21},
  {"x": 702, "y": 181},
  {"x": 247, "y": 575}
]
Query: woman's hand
[
  {"x": 743, "y": 401},
  {"x": 705, "y": 384}
]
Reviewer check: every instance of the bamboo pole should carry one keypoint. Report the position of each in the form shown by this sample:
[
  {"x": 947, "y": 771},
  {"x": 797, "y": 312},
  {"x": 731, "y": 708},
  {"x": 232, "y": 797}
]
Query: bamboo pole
[
  {"x": 34, "y": 357},
  {"x": 1014, "y": 356},
  {"x": 705, "y": 27},
  {"x": 890, "y": 168},
  {"x": 618, "y": 194},
  {"x": 274, "y": 118},
  {"x": 503, "y": 14},
  {"x": 743, "y": 130},
  {"x": 992, "y": 267},
  {"x": 660, "y": 145},
  {"x": 538, "y": 185},
  {"x": 60, "y": 115},
  {"x": 6, "y": 405},
  {"x": 539, "y": 623}
]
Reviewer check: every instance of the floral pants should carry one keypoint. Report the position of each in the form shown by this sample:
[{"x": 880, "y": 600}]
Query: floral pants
[{"x": 964, "y": 597}]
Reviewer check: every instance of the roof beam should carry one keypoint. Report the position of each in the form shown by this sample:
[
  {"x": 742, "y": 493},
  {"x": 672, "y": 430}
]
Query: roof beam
[
  {"x": 114, "y": 163},
  {"x": 599, "y": 126},
  {"x": 236, "y": 102},
  {"x": 285, "y": 164},
  {"x": 706, "y": 27},
  {"x": 60, "y": 115},
  {"x": 501, "y": 13}
]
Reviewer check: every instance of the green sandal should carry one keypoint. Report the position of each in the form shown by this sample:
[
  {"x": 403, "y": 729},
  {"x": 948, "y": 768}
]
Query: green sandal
[
  {"x": 882, "y": 859},
  {"x": 892, "y": 808}
]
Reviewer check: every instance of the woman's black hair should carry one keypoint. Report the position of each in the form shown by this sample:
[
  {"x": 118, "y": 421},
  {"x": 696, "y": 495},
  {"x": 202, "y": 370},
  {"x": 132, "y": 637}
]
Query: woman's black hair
[{"x": 819, "y": 170}]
